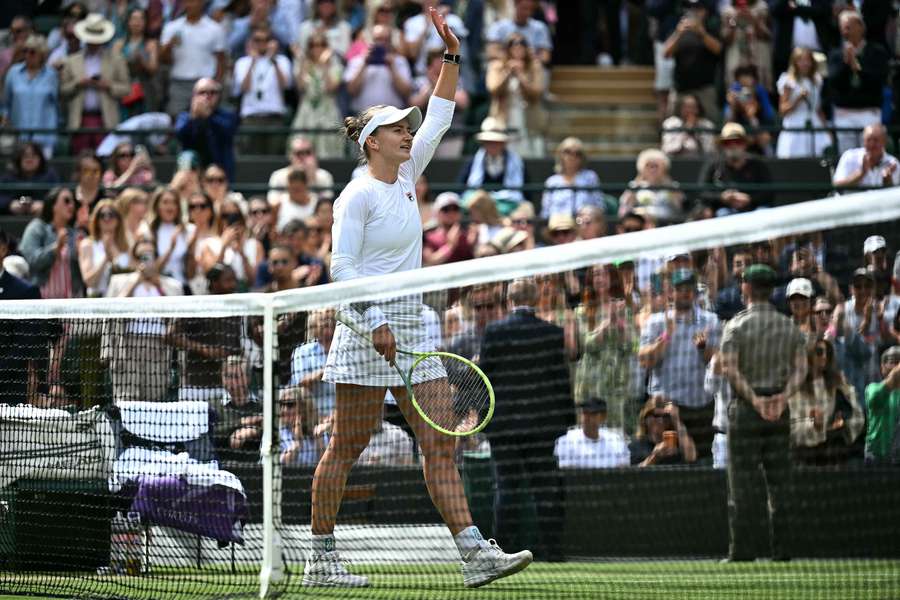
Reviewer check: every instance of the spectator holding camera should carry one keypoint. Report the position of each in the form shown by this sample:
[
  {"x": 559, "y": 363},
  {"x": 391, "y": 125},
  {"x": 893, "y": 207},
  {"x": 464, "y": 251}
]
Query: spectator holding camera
[
  {"x": 207, "y": 128},
  {"x": 235, "y": 247},
  {"x": 661, "y": 438},
  {"x": 380, "y": 75},
  {"x": 747, "y": 38},
  {"x": 748, "y": 104},
  {"x": 697, "y": 53},
  {"x": 129, "y": 166},
  {"x": 870, "y": 165},
  {"x": 317, "y": 70},
  {"x": 260, "y": 79},
  {"x": 516, "y": 83},
  {"x": 92, "y": 82},
  {"x": 676, "y": 345}
]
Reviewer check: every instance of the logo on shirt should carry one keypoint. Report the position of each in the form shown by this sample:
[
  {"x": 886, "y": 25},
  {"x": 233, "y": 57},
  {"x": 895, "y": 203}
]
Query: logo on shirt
[{"x": 409, "y": 196}]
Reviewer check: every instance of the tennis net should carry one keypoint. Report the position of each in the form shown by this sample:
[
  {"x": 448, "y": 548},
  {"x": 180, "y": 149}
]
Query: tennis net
[{"x": 166, "y": 447}]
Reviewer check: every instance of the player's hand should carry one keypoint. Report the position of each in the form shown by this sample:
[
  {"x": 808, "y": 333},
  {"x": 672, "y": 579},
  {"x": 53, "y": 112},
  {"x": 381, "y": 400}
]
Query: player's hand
[
  {"x": 838, "y": 422},
  {"x": 450, "y": 39},
  {"x": 385, "y": 345}
]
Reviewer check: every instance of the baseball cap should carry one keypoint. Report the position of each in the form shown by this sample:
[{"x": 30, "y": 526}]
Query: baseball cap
[
  {"x": 597, "y": 405},
  {"x": 676, "y": 254},
  {"x": 873, "y": 243},
  {"x": 891, "y": 354},
  {"x": 801, "y": 286},
  {"x": 680, "y": 276},
  {"x": 389, "y": 115},
  {"x": 445, "y": 199},
  {"x": 760, "y": 274},
  {"x": 863, "y": 272}
]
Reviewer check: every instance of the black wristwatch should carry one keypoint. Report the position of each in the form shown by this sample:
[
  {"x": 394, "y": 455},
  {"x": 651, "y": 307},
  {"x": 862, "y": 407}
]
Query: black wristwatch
[{"x": 453, "y": 59}]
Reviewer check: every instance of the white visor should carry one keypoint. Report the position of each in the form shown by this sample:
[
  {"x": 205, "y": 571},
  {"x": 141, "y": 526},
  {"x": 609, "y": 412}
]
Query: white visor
[{"x": 389, "y": 115}]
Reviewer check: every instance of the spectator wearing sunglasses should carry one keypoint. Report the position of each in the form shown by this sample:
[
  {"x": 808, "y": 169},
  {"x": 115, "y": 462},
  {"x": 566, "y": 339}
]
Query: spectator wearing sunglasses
[
  {"x": 207, "y": 128},
  {"x": 104, "y": 252},
  {"x": 651, "y": 446},
  {"x": 49, "y": 244},
  {"x": 302, "y": 155},
  {"x": 449, "y": 240},
  {"x": 261, "y": 221},
  {"x": 128, "y": 167}
]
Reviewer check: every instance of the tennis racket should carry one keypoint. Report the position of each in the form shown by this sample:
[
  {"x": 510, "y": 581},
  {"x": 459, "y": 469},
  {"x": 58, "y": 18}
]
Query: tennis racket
[{"x": 461, "y": 406}]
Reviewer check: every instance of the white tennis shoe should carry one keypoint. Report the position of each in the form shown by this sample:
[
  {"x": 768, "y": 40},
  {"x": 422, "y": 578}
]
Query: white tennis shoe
[
  {"x": 328, "y": 570},
  {"x": 490, "y": 562}
]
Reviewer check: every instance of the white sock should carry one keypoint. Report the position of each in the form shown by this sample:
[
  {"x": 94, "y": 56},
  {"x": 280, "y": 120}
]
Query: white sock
[
  {"x": 468, "y": 541},
  {"x": 322, "y": 543}
]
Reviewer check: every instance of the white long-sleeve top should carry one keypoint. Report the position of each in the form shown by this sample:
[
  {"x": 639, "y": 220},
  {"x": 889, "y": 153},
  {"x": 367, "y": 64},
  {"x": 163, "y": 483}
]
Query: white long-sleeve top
[{"x": 377, "y": 228}]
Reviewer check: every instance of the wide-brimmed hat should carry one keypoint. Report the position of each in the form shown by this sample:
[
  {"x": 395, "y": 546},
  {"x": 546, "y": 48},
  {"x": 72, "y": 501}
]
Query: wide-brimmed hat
[
  {"x": 507, "y": 239},
  {"x": 95, "y": 29},
  {"x": 492, "y": 130},
  {"x": 733, "y": 131},
  {"x": 561, "y": 222}
]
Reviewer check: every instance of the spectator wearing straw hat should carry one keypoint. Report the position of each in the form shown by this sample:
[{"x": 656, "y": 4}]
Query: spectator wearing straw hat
[
  {"x": 592, "y": 445},
  {"x": 733, "y": 168},
  {"x": 869, "y": 165},
  {"x": 676, "y": 346},
  {"x": 93, "y": 80},
  {"x": 494, "y": 164},
  {"x": 764, "y": 358},
  {"x": 449, "y": 240},
  {"x": 883, "y": 409},
  {"x": 560, "y": 195},
  {"x": 561, "y": 229}
]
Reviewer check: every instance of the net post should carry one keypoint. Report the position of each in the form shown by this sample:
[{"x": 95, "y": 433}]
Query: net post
[{"x": 272, "y": 569}]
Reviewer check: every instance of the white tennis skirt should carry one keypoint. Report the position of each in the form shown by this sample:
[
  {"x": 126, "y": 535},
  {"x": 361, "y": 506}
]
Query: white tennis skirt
[{"x": 353, "y": 359}]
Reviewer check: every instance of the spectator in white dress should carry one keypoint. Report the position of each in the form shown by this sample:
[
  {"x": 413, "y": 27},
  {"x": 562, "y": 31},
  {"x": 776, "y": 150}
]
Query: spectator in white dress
[
  {"x": 800, "y": 105},
  {"x": 593, "y": 445}
]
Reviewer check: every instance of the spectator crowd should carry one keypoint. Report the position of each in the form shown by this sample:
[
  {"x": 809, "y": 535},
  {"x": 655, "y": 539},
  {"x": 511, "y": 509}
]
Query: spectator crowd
[{"x": 640, "y": 338}]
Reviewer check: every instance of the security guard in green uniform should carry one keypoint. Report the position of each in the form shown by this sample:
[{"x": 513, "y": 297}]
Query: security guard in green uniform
[{"x": 764, "y": 358}]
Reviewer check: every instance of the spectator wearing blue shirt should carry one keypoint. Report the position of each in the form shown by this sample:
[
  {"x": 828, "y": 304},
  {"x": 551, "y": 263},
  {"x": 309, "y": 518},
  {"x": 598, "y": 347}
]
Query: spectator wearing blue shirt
[
  {"x": 748, "y": 104},
  {"x": 31, "y": 95},
  {"x": 207, "y": 129},
  {"x": 308, "y": 362},
  {"x": 262, "y": 12},
  {"x": 562, "y": 195},
  {"x": 536, "y": 32},
  {"x": 676, "y": 346}
]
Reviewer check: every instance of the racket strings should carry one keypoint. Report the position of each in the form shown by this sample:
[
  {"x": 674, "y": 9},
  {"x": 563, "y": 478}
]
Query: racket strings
[{"x": 460, "y": 404}]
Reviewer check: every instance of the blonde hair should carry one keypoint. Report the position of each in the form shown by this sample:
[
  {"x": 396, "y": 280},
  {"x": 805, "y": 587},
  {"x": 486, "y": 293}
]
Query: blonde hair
[
  {"x": 652, "y": 154},
  {"x": 792, "y": 71},
  {"x": 569, "y": 143},
  {"x": 353, "y": 127},
  {"x": 127, "y": 197},
  {"x": 94, "y": 224},
  {"x": 484, "y": 203}
]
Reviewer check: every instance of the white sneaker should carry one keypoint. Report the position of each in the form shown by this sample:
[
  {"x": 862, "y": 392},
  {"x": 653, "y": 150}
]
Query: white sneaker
[
  {"x": 490, "y": 562},
  {"x": 327, "y": 570}
]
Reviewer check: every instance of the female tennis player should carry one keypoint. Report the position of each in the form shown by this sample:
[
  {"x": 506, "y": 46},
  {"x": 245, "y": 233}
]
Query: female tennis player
[{"x": 377, "y": 230}]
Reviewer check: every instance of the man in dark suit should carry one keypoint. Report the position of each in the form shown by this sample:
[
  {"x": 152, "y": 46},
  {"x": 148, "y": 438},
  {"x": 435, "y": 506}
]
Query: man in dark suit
[
  {"x": 16, "y": 353},
  {"x": 524, "y": 357}
]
